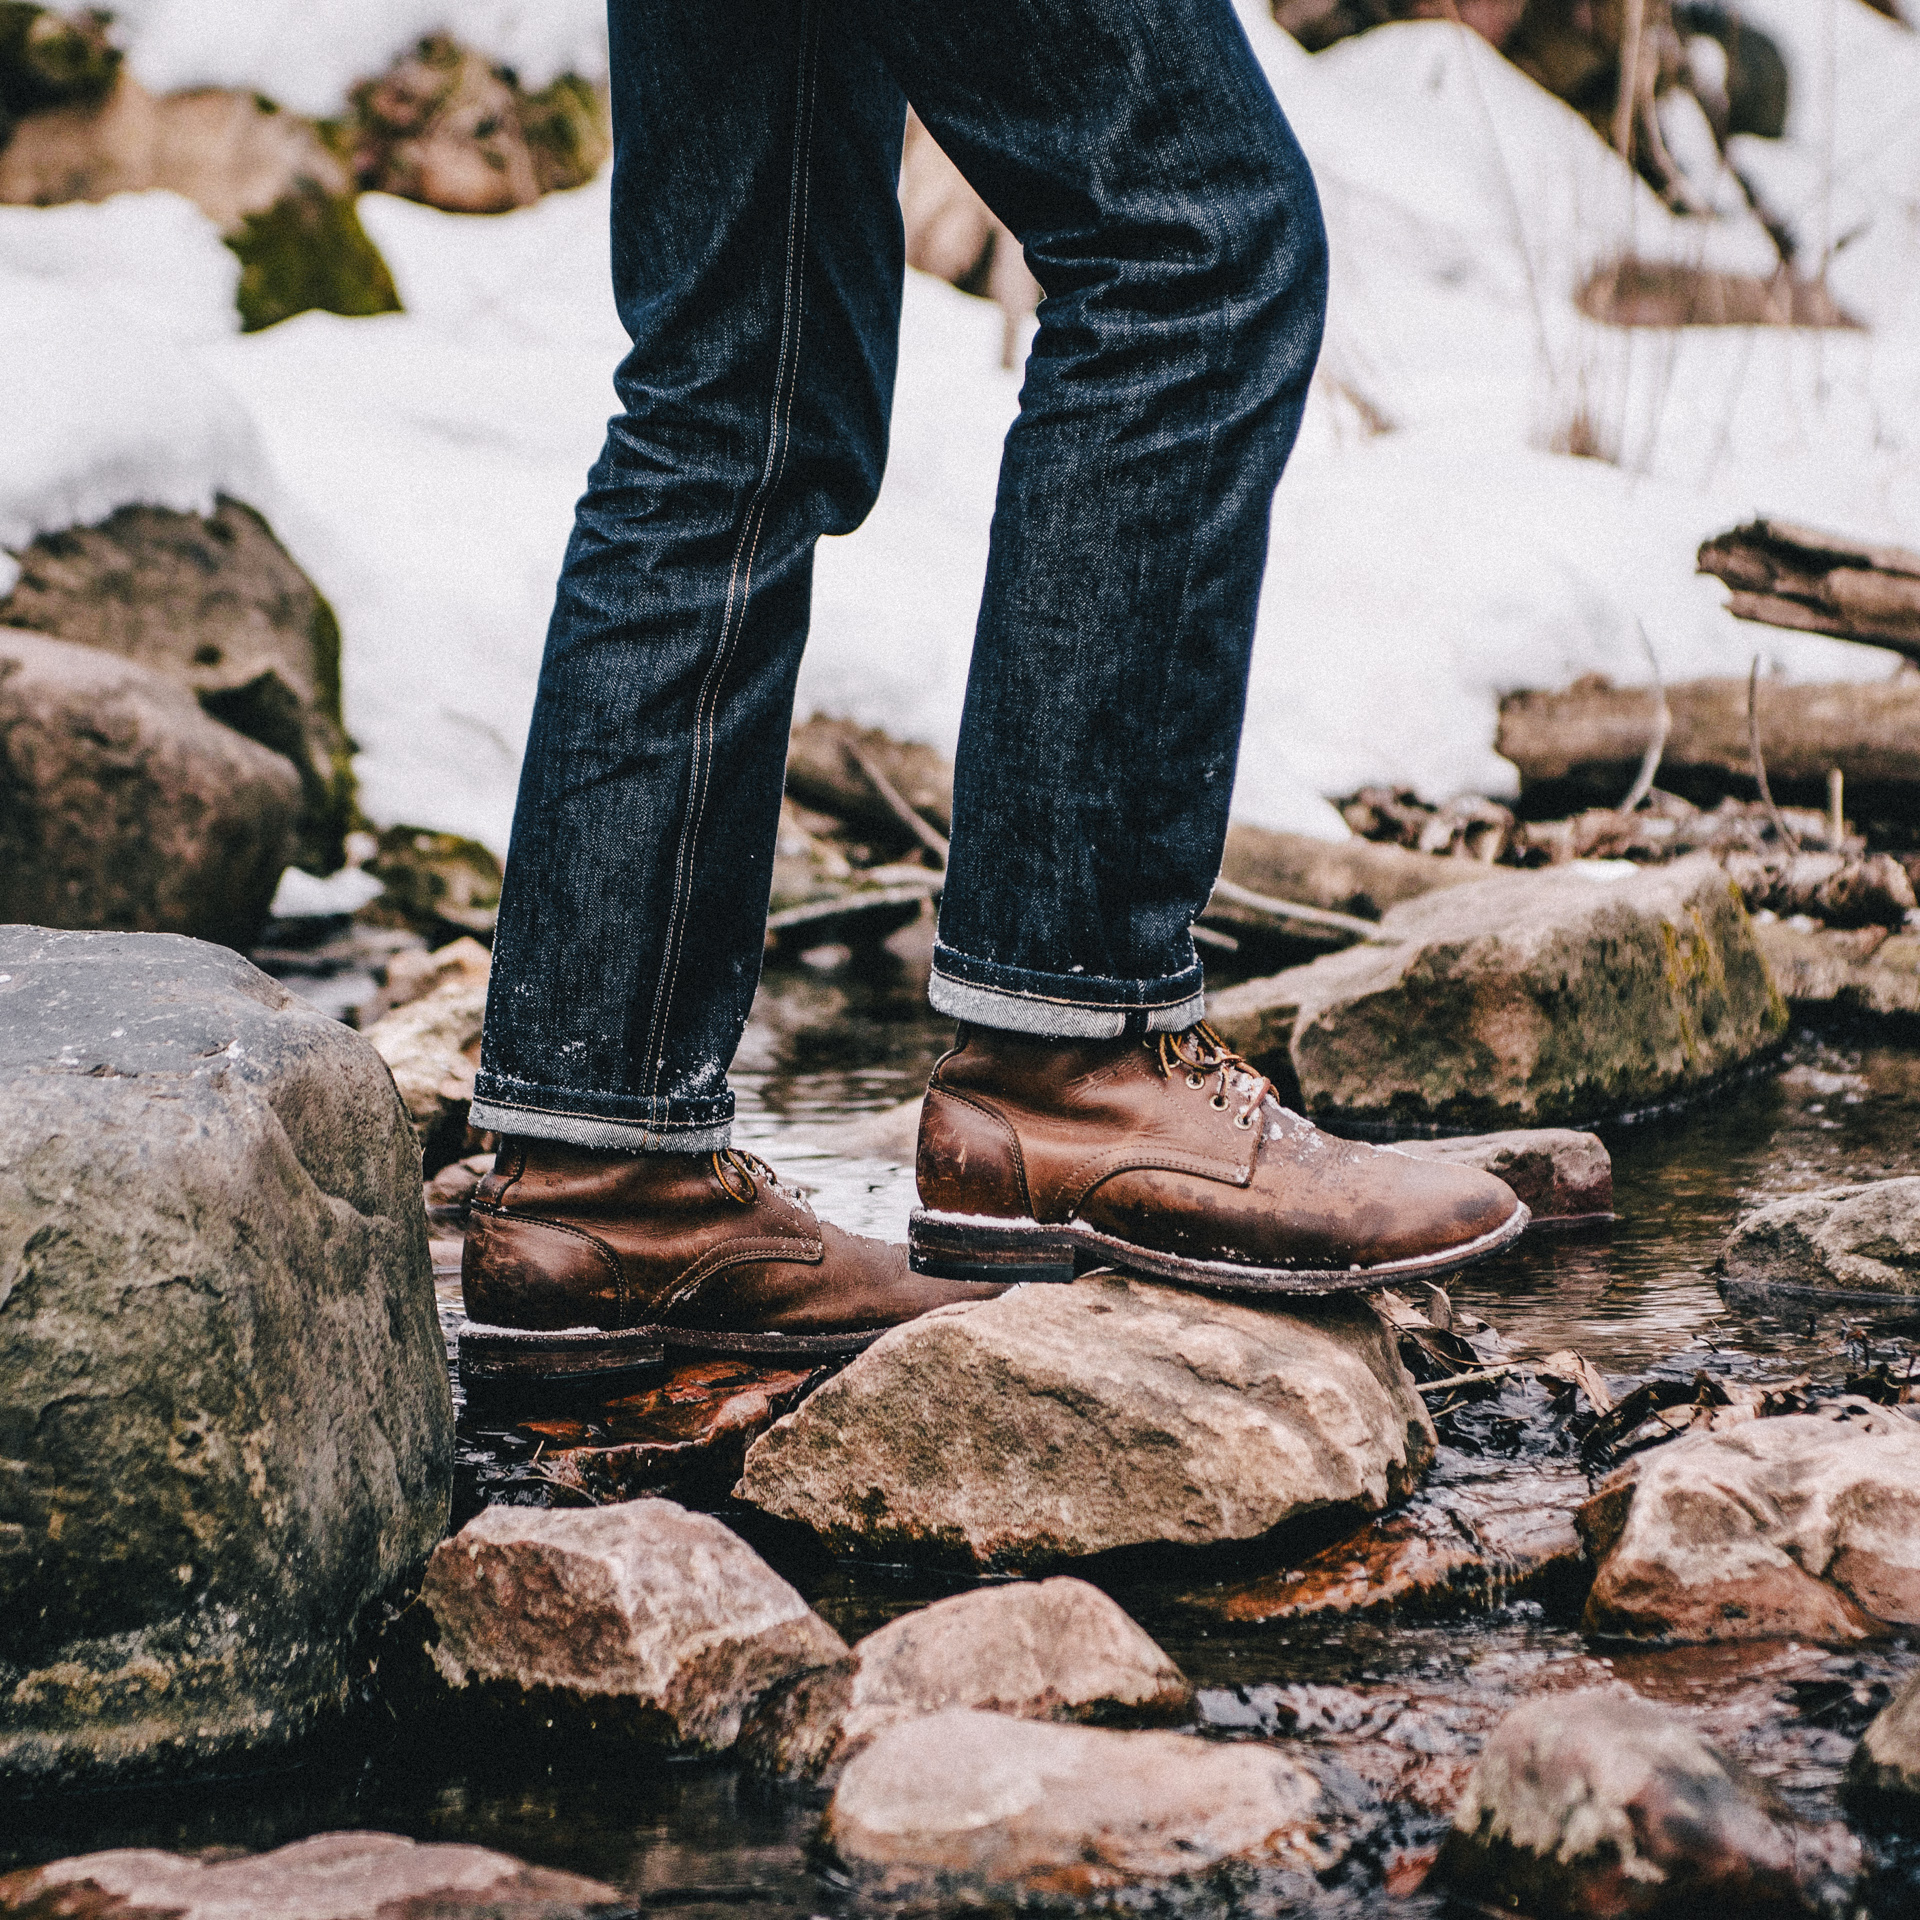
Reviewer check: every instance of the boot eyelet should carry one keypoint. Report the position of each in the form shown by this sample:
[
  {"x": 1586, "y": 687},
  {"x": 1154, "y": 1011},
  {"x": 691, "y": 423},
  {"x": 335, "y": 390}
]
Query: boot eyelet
[
  {"x": 1218, "y": 1103},
  {"x": 1196, "y": 1080},
  {"x": 1243, "y": 1121}
]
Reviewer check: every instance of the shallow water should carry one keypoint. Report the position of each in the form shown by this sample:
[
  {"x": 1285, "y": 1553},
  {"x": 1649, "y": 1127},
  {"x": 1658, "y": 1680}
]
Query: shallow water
[{"x": 1390, "y": 1710}]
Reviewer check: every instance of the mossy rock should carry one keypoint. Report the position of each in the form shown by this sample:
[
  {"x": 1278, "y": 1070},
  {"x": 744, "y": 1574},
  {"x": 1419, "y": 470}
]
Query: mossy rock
[
  {"x": 438, "y": 885},
  {"x": 49, "y": 59},
  {"x": 309, "y": 251},
  {"x": 567, "y": 132}
]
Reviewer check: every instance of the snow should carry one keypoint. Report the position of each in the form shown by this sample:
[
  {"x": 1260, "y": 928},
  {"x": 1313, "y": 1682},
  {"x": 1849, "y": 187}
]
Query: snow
[{"x": 423, "y": 466}]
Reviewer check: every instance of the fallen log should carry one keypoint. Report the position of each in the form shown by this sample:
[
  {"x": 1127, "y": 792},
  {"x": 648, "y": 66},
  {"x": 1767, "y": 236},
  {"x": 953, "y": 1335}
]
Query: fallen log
[
  {"x": 1583, "y": 746},
  {"x": 1788, "y": 576}
]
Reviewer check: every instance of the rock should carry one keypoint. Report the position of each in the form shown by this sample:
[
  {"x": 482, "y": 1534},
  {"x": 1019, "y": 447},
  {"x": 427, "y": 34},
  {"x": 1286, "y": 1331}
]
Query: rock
[
  {"x": 215, "y": 602},
  {"x": 333, "y": 1876},
  {"x": 431, "y": 1041},
  {"x": 1797, "y": 1527},
  {"x": 1503, "y": 1538},
  {"x": 1346, "y": 876},
  {"x": 1036, "y": 1650},
  {"x": 308, "y": 253},
  {"x": 1527, "y": 999},
  {"x": 1061, "y": 1421},
  {"x": 226, "y": 1436},
  {"x": 438, "y": 885},
  {"x": 1842, "y": 1241},
  {"x": 1564, "y": 1177},
  {"x": 122, "y": 804},
  {"x": 1887, "y": 1760},
  {"x": 970, "y": 1808},
  {"x": 661, "y": 1616},
  {"x": 822, "y": 772},
  {"x": 1598, "y": 1804},
  {"x": 49, "y": 59},
  {"x": 1851, "y": 970}
]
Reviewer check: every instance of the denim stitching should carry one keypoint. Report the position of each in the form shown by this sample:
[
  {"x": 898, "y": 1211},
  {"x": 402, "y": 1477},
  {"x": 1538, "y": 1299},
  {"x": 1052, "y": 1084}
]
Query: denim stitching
[
  {"x": 786, "y": 381},
  {"x": 611, "y": 1119}
]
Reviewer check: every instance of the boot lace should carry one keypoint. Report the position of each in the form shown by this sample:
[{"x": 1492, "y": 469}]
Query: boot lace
[
  {"x": 740, "y": 1174},
  {"x": 1200, "y": 1054}
]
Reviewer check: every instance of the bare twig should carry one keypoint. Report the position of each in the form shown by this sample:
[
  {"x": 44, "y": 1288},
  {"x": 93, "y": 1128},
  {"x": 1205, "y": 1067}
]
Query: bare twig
[
  {"x": 1760, "y": 766},
  {"x": 1308, "y": 916},
  {"x": 1662, "y": 726},
  {"x": 1836, "y": 807},
  {"x": 1471, "y": 1379},
  {"x": 934, "y": 843}
]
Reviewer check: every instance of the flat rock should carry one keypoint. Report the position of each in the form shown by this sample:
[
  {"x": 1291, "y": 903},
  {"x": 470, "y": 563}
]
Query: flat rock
[
  {"x": 1854, "y": 970},
  {"x": 1038, "y": 1650},
  {"x": 1561, "y": 1174},
  {"x": 1526, "y": 999},
  {"x": 431, "y": 1041},
  {"x": 122, "y": 804},
  {"x": 1846, "y": 1240},
  {"x": 1600, "y": 1804},
  {"x": 972, "y": 1807},
  {"x": 1797, "y": 1527},
  {"x": 662, "y": 1613},
  {"x": 333, "y": 1876},
  {"x": 1887, "y": 1760},
  {"x": 1061, "y": 1421},
  {"x": 1480, "y": 1541},
  {"x": 226, "y": 1434}
]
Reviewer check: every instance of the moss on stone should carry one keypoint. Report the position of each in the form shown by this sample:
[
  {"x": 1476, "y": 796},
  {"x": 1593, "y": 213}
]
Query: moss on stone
[
  {"x": 49, "y": 59},
  {"x": 309, "y": 251},
  {"x": 566, "y": 129}
]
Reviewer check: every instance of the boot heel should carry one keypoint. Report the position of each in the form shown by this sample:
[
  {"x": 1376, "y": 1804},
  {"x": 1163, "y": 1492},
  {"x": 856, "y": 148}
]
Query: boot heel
[{"x": 959, "y": 1246}]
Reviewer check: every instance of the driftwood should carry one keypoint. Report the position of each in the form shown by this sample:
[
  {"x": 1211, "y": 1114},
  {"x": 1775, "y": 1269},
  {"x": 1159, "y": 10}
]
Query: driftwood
[
  {"x": 1788, "y": 576},
  {"x": 1585, "y": 744},
  {"x": 823, "y": 774}
]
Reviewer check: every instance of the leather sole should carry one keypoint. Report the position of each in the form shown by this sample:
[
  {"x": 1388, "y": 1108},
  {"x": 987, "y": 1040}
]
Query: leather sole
[
  {"x": 512, "y": 1357},
  {"x": 971, "y": 1246}
]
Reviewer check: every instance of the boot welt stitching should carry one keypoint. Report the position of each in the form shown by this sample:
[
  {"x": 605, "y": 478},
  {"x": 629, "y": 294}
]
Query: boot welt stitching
[
  {"x": 736, "y": 1253},
  {"x": 606, "y": 1253}
]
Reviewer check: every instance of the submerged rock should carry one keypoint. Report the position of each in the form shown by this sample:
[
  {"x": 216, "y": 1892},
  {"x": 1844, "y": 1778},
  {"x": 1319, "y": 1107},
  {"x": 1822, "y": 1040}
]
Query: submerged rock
[
  {"x": 1061, "y": 1421},
  {"x": 642, "y": 1612},
  {"x": 1526, "y": 999},
  {"x": 977, "y": 1807},
  {"x": 123, "y": 805},
  {"x": 1848, "y": 1240},
  {"x": 1047, "y": 1650},
  {"x": 226, "y": 1432},
  {"x": 1599, "y": 1804},
  {"x": 1562, "y": 1175},
  {"x": 1797, "y": 1527},
  {"x": 333, "y": 1876}
]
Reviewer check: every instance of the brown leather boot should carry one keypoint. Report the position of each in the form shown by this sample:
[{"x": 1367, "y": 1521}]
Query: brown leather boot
[
  {"x": 580, "y": 1264},
  {"x": 1170, "y": 1157}
]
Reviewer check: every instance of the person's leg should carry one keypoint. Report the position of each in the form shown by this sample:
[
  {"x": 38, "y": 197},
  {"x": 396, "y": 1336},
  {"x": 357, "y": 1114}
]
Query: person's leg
[{"x": 757, "y": 265}]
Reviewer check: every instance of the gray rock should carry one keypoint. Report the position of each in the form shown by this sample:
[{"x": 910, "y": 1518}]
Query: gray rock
[
  {"x": 1863, "y": 1239},
  {"x": 1061, "y": 1421},
  {"x": 1797, "y": 1527},
  {"x": 333, "y": 1876},
  {"x": 665, "y": 1614},
  {"x": 1037, "y": 1650},
  {"x": 215, "y": 602},
  {"x": 1598, "y": 1803},
  {"x": 1887, "y": 1760},
  {"x": 431, "y": 1041},
  {"x": 1527, "y": 999},
  {"x": 1562, "y": 1175},
  {"x": 123, "y": 805},
  {"x": 226, "y": 1434},
  {"x": 977, "y": 1807}
]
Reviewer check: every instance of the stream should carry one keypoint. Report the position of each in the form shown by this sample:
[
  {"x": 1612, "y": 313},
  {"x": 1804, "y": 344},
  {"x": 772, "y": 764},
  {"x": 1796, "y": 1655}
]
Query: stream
[{"x": 1390, "y": 1709}]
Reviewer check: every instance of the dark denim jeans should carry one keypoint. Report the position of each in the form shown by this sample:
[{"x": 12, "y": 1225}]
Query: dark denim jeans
[{"x": 1136, "y": 150}]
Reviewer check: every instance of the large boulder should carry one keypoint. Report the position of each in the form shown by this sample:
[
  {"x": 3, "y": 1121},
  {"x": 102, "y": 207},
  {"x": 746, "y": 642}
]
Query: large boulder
[
  {"x": 1527, "y": 999},
  {"x": 122, "y": 804},
  {"x": 1061, "y": 1421},
  {"x": 343, "y": 1876},
  {"x": 1842, "y": 1240},
  {"x": 659, "y": 1619},
  {"x": 1797, "y": 1527},
  {"x": 226, "y": 1435},
  {"x": 1037, "y": 1650},
  {"x": 977, "y": 1808},
  {"x": 215, "y": 602},
  {"x": 1599, "y": 1804}
]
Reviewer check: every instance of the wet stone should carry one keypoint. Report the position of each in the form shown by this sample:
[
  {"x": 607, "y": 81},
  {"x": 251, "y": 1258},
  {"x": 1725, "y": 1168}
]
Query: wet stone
[
  {"x": 333, "y": 1876},
  {"x": 1854, "y": 1240},
  {"x": 1887, "y": 1760},
  {"x": 972, "y": 1807},
  {"x": 1564, "y": 1176}
]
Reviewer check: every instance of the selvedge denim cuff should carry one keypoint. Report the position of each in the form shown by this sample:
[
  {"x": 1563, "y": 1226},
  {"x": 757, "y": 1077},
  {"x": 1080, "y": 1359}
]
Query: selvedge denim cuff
[
  {"x": 1061, "y": 1006},
  {"x": 584, "y": 1120}
]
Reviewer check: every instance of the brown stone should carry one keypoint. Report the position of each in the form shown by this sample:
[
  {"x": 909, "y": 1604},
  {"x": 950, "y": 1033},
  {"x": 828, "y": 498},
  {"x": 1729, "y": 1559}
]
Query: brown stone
[
  {"x": 431, "y": 1041},
  {"x": 333, "y": 1876},
  {"x": 1799, "y": 1527},
  {"x": 642, "y": 1605},
  {"x": 975, "y": 1806},
  {"x": 1561, "y": 1174},
  {"x": 1887, "y": 1759},
  {"x": 1851, "y": 1240},
  {"x": 1061, "y": 1421},
  {"x": 1852, "y": 970}
]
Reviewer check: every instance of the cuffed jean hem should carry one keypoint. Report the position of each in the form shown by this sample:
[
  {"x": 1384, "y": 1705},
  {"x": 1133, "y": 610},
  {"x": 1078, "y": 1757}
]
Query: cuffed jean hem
[
  {"x": 1061, "y": 1006},
  {"x": 581, "y": 1129}
]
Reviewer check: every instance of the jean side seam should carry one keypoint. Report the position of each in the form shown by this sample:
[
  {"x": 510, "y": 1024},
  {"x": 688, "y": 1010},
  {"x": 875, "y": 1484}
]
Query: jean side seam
[{"x": 739, "y": 586}]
